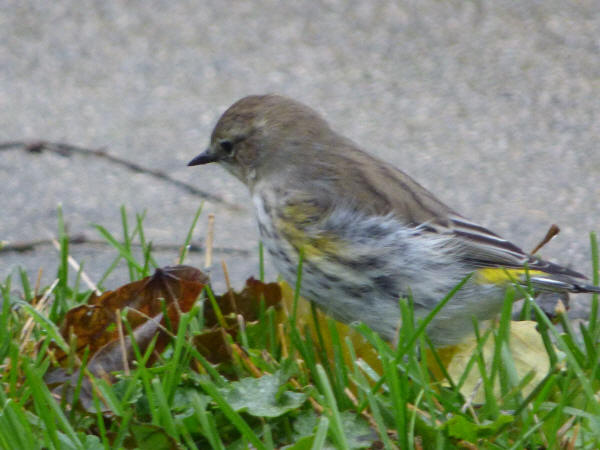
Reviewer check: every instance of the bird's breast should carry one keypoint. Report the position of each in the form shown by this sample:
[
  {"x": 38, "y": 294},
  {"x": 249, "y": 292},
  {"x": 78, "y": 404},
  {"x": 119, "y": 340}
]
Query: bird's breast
[{"x": 285, "y": 256}]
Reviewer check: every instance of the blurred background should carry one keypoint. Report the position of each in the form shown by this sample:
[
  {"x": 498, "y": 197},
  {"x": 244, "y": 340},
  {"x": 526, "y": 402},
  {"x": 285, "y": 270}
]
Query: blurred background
[{"x": 491, "y": 105}]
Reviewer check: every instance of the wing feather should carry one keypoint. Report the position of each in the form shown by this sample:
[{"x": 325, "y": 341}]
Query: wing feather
[{"x": 483, "y": 248}]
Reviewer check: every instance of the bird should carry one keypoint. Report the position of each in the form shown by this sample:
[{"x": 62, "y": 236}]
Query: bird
[{"x": 367, "y": 233}]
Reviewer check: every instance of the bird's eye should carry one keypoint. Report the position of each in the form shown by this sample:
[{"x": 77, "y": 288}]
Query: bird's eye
[{"x": 226, "y": 146}]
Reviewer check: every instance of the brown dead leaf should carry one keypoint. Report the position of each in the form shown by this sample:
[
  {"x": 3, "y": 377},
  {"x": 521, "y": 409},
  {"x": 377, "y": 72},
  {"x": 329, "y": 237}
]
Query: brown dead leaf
[
  {"x": 174, "y": 288},
  {"x": 212, "y": 343},
  {"x": 246, "y": 303}
]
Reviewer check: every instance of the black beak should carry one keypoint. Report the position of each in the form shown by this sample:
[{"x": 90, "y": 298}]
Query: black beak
[{"x": 203, "y": 158}]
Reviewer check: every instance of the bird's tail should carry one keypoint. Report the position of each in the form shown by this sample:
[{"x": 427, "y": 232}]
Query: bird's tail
[
  {"x": 547, "y": 276},
  {"x": 547, "y": 282},
  {"x": 543, "y": 276}
]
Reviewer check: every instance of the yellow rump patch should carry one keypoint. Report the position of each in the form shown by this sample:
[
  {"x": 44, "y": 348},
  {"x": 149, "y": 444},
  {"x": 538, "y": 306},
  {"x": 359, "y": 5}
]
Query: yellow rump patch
[{"x": 501, "y": 275}]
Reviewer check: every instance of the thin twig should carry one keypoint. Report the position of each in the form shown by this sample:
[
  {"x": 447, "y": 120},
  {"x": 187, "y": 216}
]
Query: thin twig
[
  {"x": 562, "y": 431},
  {"x": 209, "y": 242},
  {"x": 122, "y": 342},
  {"x": 75, "y": 265},
  {"x": 469, "y": 401},
  {"x": 67, "y": 150},
  {"x": 156, "y": 322},
  {"x": 38, "y": 283},
  {"x": 573, "y": 440},
  {"x": 283, "y": 340},
  {"x": 229, "y": 288},
  {"x": 550, "y": 234},
  {"x": 315, "y": 404},
  {"x": 29, "y": 324},
  {"x": 368, "y": 417},
  {"x": 256, "y": 372},
  {"x": 80, "y": 239}
]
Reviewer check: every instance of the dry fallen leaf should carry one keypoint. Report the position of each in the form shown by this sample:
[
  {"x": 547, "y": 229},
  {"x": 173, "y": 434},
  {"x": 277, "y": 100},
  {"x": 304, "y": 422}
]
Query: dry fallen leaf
[
  {"x": 212, "y": 343},
  {"x": 173, "y": 290},
  {"x": 246, "y": 303},
  {"x": 528, "y": 353},
  {"x": 94, "y": 324}
]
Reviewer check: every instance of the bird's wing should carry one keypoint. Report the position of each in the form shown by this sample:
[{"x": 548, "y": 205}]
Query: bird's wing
[
  {"x": 497, "y": 260},
  {"x": 484, "y": 249},
  {"x": 384, "y": 190},
  {"x": 391, "y": 190}
]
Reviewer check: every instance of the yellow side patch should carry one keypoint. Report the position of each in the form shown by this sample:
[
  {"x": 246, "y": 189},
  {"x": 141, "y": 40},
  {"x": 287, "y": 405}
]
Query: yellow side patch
[
  {"x": 293, "y": 223},
  {"x": 501, "y": 275}
]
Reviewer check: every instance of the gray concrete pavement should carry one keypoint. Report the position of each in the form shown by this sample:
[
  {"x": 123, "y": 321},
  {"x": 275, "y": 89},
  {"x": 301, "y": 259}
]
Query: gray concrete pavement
[{"x": 491, "y": 105}]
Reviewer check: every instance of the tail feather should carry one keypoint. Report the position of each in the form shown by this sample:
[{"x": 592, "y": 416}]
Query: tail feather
[{"x": 562, "y": 284}]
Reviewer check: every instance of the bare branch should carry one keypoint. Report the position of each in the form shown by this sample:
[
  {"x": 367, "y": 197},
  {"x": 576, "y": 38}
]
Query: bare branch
[
  {"x": 80, "y": 239},
  {"x": 67, "y": 150}
]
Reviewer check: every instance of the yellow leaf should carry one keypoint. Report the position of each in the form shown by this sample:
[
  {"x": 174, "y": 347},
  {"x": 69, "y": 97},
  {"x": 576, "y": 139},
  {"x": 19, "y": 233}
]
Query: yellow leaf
[{"x": 528, "y": 353}]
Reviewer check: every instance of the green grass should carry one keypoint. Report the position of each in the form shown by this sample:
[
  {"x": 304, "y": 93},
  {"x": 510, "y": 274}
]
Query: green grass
[{"x": 304, "y": 399}]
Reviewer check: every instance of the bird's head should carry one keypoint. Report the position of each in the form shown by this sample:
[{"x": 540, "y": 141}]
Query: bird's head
[{"x": 260, "y": 134}]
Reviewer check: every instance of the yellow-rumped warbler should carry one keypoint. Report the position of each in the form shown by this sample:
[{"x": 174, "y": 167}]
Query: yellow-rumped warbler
[{"x": 369, "y": 233}]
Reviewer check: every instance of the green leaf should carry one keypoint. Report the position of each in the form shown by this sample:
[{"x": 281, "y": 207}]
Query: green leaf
[
  {"x": 181, "y": 404},
  {"x": 261, "y": 397},
  {"x": 91, "y": 442},
  {"x": 308, "y": 443},
  {"x": 149, "y": 436},
  {"x": 305, "y": 424},
  {"x": 357, "y": 431},
  {"x": 128, "y": 390},
  {"x": 462, "y": 428}
]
